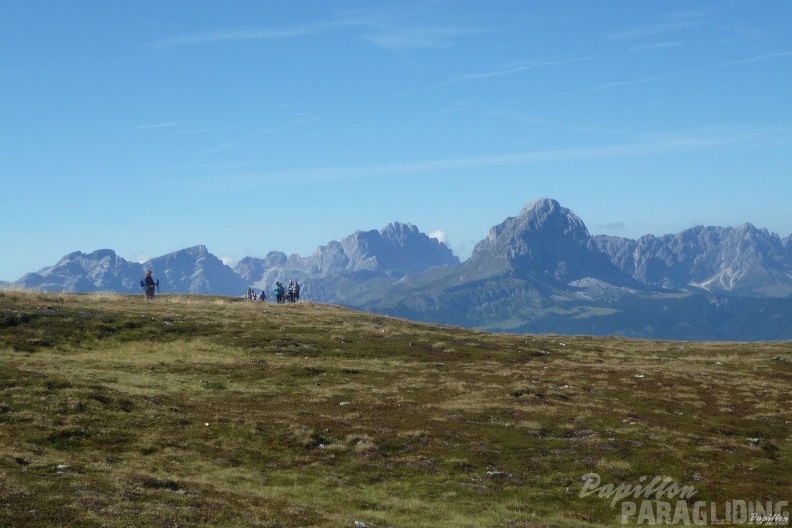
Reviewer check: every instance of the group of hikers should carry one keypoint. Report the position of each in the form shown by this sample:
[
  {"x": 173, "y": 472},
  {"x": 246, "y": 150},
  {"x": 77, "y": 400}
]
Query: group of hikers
[
  {"x": 251, "y": 294},
  {"x": 291, "y": 294},
  {"x": 282, "y": 294}
]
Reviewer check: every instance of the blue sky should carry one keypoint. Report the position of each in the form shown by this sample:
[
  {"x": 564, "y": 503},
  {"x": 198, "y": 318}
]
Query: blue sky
[{"x": 251, "y": 126}]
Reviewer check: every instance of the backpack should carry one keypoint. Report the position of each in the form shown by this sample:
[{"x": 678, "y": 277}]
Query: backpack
[{"x": 142, "y": 283}]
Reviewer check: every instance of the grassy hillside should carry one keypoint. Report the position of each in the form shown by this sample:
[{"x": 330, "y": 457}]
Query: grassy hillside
[{"x": 208, "y": 411}]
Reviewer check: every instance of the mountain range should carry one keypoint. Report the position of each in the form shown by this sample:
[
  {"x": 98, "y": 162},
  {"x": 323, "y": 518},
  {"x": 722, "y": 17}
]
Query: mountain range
[{"x": 540, "y": 271}]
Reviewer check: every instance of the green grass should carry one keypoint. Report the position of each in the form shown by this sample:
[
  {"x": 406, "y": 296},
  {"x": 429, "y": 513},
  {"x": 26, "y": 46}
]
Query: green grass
[{"x": 207, "y": 411}]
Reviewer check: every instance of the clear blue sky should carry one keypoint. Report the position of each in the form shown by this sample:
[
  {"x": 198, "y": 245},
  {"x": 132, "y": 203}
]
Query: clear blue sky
[{"x": 250, "y": 126}]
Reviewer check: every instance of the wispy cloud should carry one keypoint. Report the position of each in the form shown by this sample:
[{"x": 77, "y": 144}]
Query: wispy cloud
[
  {"x": 300, "y": 118},
  {"x": 377, "y": 30},
  {"x": 653, "y": 30},
  {"x": 171, "y": 124},
  {"x": 511, "y": 70},
  {"x": 225, "y": 166},
  {"x": 214, "y": 150},
  {"x": 754, "y": 59},
  {"x": 205, "y": 130},
  {"x": 599, "y": 130},
  {"x": 159, "y": 125},
  {"x": 653, "y": 78},
  {"x": 677, "y": 142},
  {"x": 400, "y": 28},
  {"x": 440, "y": 235},
  {"x": 671, "y": 23},
  {"x": 227, "y": 35},
  {"x": 652, "y": 47},
  {"x": 401, "y": 38},
  {"x": 740, "y": 33},
  {"x": 629, "y": 83}
]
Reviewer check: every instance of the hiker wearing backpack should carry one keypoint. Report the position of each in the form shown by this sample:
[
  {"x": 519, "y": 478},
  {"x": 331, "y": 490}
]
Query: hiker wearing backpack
[{"x": 148, "y": 284}]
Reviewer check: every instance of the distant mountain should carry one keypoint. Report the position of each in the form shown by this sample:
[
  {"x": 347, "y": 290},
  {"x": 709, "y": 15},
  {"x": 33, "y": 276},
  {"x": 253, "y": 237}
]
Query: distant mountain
[
  {"x": 346, "y": 271},
  {"x": 547, "y": 243},
  {"x": 540, "y": 271},
  {"x": 195, "y": 270},
  {"x": 101, "y": 270},
  {"x": 525, "y": 266},
  {"x": 254, "y": 269},
  {"x": 742, "y": 261},
  {"x": 398, "y": 249},
  {"x": 192, "y": 270},
  {"x": 334, "y": 272}
]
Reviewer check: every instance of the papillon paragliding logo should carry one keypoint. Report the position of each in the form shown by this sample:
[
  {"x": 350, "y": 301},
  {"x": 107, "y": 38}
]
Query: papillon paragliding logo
[{"x": 661, "y": 501}]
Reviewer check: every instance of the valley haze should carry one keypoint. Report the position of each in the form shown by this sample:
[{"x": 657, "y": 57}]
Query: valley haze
[{"x": 538, "y": 271}]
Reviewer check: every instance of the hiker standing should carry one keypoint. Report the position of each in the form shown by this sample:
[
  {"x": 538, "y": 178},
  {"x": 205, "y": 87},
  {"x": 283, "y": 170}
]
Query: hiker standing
[
  {"x": 278, "y": 292},
  {"x": 149, "y": 285}
]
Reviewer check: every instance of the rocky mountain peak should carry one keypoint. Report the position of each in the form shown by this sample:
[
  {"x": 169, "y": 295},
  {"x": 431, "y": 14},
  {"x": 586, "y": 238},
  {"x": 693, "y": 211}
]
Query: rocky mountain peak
[
  {"x": 400, "y": 248},
  {"x": 547, "y": 242},
  {"x": 548, "y": 216},
  {"x": 742, "y": 260},
  {"x": 399, "y": 232},
  {"x": 541, "y": 219},
  {"x": 196, "y": 270}
]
